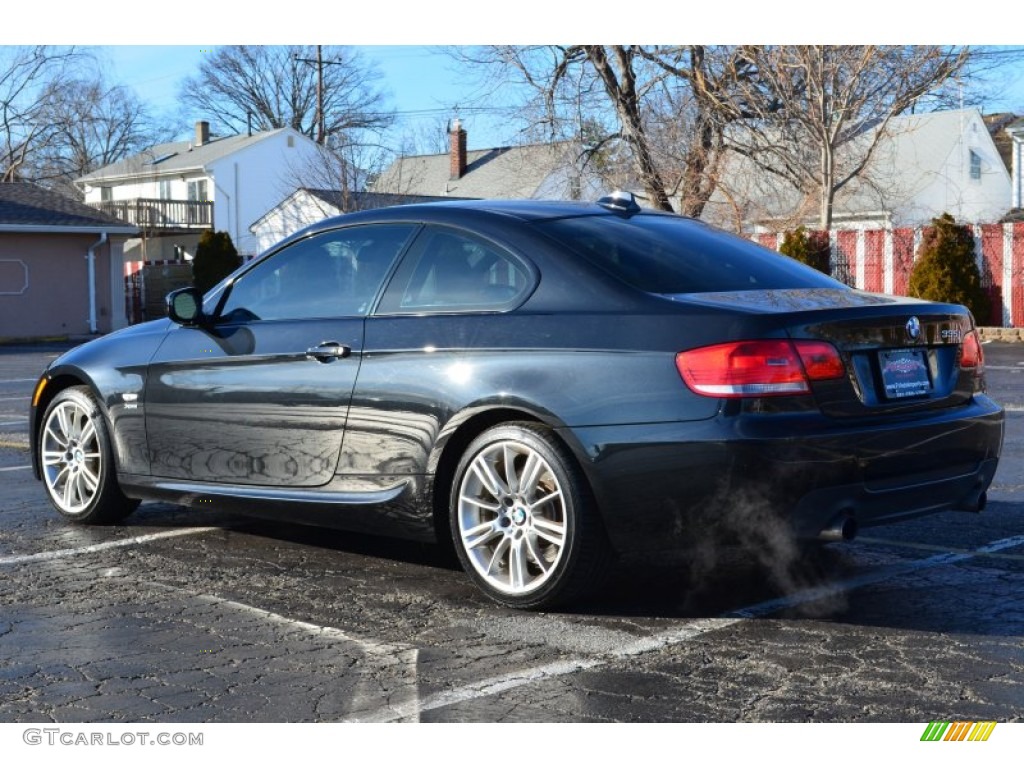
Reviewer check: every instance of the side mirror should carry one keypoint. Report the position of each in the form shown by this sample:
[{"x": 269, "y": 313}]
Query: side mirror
[{"x": 185, "y": 306}]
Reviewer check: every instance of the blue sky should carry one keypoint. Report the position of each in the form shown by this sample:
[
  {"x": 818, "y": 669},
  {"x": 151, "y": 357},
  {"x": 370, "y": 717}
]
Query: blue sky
[
  {"x": 421, "y": 80},
  {"x": 425, "y": 85},
  {"x": 397, "y": 35}
]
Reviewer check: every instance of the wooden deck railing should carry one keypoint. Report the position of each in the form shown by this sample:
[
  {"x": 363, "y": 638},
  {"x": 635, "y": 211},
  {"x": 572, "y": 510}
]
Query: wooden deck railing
[{"x": 148, "y": 213}]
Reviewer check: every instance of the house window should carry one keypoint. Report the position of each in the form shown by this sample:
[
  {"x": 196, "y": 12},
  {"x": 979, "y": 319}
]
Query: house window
[
  {"x": 975, "y": 166},
  {"x": 165, "y": 189},
  {"x": 197, "y": 191},
  {"x": 106, "y": 194}
]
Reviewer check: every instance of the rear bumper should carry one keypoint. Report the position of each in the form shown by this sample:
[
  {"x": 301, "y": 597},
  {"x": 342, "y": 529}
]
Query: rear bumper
[{"x": 665, "y": 486}]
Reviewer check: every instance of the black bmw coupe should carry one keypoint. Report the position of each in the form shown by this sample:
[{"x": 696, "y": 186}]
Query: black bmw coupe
[{"x": 542, "y": 384}]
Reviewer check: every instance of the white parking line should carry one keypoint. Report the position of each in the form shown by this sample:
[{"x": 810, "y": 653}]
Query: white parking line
[
  {"x": 315, "y": 629},
  {"x": 59, "y": 554},
  {"x": 24, "y": 398},
  {"x": 403, "y": 658},
  {"x": 14, "y": 423},
  {"x": 679, "y": 636},
  {"x": 17, "y": 381},
  {"x": 15, "y": 469}
]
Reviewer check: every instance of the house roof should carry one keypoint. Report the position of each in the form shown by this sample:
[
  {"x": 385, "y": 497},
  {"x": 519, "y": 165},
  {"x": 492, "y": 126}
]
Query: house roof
[
  {"x": 364, "y": 201},
  {"x": 499, "y": 172},
  {"x": 997, "y": 125},
  {"x": 352, "y": 201},
  {"x": 174, "y": 157},
  {"x": 28, "y": 207}
]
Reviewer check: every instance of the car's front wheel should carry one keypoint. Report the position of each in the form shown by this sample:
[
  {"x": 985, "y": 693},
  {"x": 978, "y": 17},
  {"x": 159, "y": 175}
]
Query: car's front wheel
[
  {"x": 522, "y": 519},
  {"x": 77, "y": 460}
]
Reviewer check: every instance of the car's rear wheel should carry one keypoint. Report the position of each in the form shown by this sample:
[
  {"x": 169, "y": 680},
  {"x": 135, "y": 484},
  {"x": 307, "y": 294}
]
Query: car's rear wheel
[
  {"x": 522, "y": 520},
  {"x": 77, "y": 460}
]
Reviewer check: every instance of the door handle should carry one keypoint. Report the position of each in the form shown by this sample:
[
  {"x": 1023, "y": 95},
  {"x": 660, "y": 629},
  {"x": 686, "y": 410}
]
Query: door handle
[{"x": 328, "y": 351}]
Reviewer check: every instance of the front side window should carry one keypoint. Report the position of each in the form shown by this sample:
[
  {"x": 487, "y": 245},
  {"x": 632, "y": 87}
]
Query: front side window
[
  {"x": 452, "y": 271},
  {"x": 333, "y": 274}
]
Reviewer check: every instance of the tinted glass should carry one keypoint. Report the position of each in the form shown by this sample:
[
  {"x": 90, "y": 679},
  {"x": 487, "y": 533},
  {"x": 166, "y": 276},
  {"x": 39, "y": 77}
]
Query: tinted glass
[
  {"x": 334, "y": 274},
  {"x": 662, "y": 254},
  {"x": 450, "y": 271}
]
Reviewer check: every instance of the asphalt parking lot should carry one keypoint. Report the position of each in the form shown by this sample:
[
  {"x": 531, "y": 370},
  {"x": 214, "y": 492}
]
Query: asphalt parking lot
[{"x": 191, "y": 615}]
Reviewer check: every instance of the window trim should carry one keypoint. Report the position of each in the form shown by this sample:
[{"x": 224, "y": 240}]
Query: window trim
[
  {"x": 389, "y": 302},
  {"x": 216, "y": 315}
]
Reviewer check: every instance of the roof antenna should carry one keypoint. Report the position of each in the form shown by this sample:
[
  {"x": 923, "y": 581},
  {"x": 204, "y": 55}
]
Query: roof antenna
[{"x": 620, "y": 201}]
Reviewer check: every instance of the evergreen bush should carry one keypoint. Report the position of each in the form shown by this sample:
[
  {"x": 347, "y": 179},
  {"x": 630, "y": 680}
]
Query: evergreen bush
[
  {"x": 946, "y": 269},
  {"x": 810, "y": 248},
  {"x": 215, "y": 259}
]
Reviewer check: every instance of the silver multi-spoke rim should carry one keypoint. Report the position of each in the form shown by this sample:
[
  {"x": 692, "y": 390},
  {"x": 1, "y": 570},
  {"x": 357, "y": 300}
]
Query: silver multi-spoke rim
[
  {"x": 72, "y": 460},
  {"x": 512, "y": 517}
]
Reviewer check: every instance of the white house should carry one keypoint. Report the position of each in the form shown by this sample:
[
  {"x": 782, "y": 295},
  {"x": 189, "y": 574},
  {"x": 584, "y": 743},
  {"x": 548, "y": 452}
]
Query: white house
[
  {"x": 1016, "y": 133},
  {"x": 307, "y": 206},
  {"x": 924, "y": 165},
  {"x": 175, "y": 191}
]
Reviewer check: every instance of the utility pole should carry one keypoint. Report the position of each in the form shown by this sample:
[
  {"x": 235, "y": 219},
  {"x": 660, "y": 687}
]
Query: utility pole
[
  {"x": 321, "y": 120},
  {"x": 320, "y": 95}
]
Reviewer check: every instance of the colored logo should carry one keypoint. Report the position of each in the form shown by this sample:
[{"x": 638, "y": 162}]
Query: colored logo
[
  {"x": 939, "y": 730},
  {"x": 913, "y": 328}
]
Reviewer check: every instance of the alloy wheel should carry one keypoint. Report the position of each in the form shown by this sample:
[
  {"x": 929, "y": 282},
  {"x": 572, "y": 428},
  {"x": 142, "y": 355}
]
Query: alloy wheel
[
  {"x": 72, "y": 457},
  {"x": 512, "y": 517}
]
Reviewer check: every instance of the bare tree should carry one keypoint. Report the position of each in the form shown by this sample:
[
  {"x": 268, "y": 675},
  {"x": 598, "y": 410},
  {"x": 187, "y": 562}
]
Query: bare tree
[
  {"x": 347, "y": 169},
  {"x": 654, "y": 114},
  {"x": 814, "y": 115},
  {"x": 276, "y": 87},
  {"x": 91, "y": 125},
  {"x": 27, "y": 74}
]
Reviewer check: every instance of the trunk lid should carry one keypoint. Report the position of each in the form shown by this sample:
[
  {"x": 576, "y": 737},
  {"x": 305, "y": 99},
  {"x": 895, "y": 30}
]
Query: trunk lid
[{"x": 901, "y": 355}]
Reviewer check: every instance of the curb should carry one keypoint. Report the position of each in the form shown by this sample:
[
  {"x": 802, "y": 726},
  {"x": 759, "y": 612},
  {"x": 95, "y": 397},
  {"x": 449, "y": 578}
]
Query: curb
[{"x": 1001, "y": 334}]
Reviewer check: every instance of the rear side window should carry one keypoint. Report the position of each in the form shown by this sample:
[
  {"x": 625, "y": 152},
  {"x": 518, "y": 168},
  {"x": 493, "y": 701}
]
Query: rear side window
[
  {"x": 447, "y": 270},
  {"x": 664, "y": 254}
]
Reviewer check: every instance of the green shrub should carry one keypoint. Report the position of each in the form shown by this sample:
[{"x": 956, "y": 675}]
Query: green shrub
[
  {"x": 946, "y": 269},
  {"x": 215, "y": 259},
  {"x": 810, "y": 248}
]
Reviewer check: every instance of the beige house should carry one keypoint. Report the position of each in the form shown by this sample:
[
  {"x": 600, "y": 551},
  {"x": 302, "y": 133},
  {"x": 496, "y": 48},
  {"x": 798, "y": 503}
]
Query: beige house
[
  {"x": 61, "y": 265},
  {"x": 541, "y": 171}
]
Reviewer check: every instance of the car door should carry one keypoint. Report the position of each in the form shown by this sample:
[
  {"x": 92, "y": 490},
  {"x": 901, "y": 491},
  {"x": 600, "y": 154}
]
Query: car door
[
  {"x": 259, "y": 395},
  {"x": 434, "y": 344}
]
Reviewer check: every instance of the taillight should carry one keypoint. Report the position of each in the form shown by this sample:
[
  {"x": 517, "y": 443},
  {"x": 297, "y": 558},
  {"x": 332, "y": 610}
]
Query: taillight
[
  {"x": 971, "y": 355},
  {"x": 758, "y": 368}
]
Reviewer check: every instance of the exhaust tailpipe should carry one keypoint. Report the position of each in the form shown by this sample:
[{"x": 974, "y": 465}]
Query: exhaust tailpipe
[{"x": 842, "y": 528}]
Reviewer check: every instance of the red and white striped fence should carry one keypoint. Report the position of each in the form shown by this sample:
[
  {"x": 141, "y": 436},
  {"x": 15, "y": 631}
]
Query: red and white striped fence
[{"x": 880, "y": 260}]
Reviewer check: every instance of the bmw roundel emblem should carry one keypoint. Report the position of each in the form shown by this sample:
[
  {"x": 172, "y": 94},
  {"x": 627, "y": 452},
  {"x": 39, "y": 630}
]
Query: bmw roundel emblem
[{"x": 913, "y": 329}]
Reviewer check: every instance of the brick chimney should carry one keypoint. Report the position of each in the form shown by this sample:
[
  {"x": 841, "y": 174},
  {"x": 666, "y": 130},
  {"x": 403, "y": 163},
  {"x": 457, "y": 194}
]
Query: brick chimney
[
  {"x": 457, "y": 152},
  {"x": 202, "y": 133}
]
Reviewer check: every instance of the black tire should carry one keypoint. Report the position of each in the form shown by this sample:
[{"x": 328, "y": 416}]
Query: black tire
[
  {"x": 77, "y": 461},
  {"x": 522, "y": 519}
]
